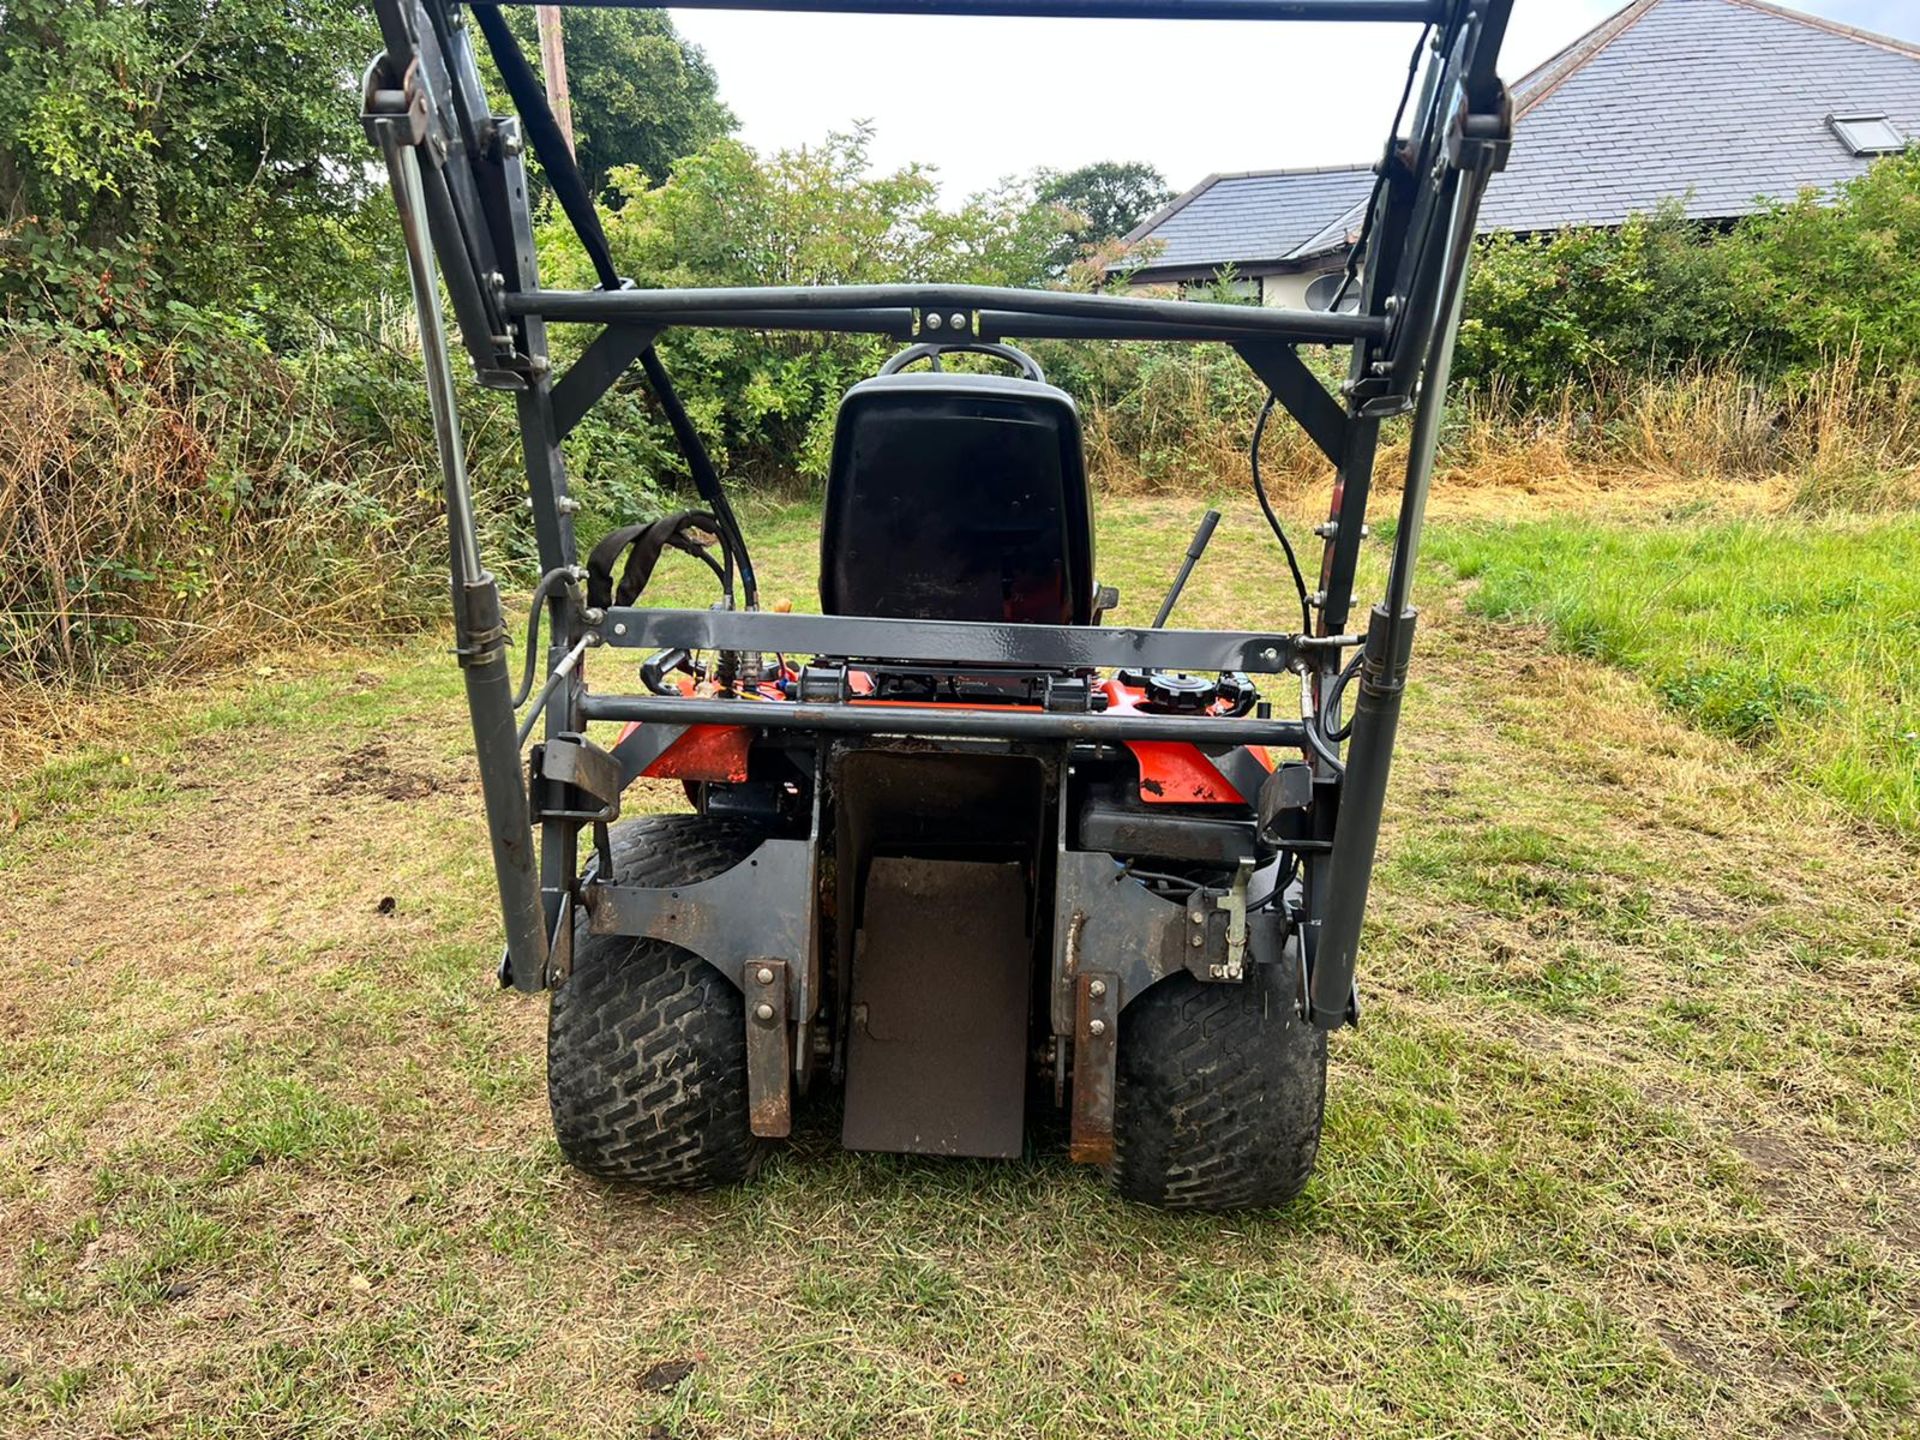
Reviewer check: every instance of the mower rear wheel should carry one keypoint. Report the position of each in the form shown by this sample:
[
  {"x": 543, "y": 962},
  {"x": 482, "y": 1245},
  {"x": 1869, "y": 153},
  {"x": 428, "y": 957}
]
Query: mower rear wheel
[
  {"x": 1219, "y": 1094},
  {"x": 646, "y": 1042}
]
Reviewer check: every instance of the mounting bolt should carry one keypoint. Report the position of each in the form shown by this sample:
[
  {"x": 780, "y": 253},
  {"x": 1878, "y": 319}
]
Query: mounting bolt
[
  {"x": 620, "y": 627},
  {"x": 513, "y": 144},
  {"x": 764, "y": 975},
  {"x": 763, "y": 1012},
  {"x": 957, "y": 321},
  {"x": 1096, "y": 988},
  {"x": 1198, "y": 917},
  {"x": 1199, "y": 941},
  {"x": 1270, "y": 655},
  {"x": 934, "y": 322},
  {"x": 595, "y": 615},
  {"x": 1096, "y": 1027}
]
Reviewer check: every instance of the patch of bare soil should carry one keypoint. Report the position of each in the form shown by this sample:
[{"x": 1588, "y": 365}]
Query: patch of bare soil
[{"x": 373, "y": 769}]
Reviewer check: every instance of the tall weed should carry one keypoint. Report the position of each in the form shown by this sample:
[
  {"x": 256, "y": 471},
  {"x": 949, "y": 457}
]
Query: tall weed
[{"x": 163, "y": 510}]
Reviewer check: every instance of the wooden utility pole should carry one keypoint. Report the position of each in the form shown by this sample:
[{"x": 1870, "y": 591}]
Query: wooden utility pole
[{"x": 553, "y": 65}]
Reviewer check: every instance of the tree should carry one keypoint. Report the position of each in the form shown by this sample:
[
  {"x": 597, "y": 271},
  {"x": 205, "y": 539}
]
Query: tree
[
  {"x": 810, "y": 216},
  {"x": 642, "y": 97},
  {"x": 205, "y": 152},
  {"x": 1102, "y": 203}
]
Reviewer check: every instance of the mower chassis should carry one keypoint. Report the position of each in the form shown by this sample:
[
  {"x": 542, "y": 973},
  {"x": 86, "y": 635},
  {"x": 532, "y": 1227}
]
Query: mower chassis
[{"x": 460, "y": 182}]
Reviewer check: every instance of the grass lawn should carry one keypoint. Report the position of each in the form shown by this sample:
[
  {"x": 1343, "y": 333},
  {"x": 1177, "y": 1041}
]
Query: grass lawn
[
  {"x": 1802, "y": 638},
  {"x": 1626, "y": 1145}
]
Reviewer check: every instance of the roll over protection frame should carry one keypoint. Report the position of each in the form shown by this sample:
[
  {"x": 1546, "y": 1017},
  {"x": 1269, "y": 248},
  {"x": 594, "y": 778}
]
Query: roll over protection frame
[{"x": 460, "y": 178}]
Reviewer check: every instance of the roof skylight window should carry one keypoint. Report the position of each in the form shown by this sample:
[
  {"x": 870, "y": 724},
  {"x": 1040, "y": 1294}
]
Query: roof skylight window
[{"x": 1868, "y": 134}]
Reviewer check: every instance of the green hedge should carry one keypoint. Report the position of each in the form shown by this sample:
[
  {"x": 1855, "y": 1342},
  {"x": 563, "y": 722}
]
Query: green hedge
[{"x": 1778, "y": 296}]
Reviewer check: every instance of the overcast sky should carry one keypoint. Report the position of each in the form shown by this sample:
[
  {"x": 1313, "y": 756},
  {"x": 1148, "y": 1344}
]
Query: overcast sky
[{"x": 1188, "y": 98}]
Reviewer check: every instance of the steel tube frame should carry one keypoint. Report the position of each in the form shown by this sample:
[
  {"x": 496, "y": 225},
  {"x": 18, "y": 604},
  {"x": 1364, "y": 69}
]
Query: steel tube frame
[
  {"x": 754, "y": 303},
  {"x": 898, "y": 322},
  {"x": 1416, "y": 12},
  {"x": 474, "y": 195},
  {"x": 943, "y": 722}
]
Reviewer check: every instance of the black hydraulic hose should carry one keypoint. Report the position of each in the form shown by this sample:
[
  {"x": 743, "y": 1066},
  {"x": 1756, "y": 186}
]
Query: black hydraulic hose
[
  {"x": 570, "y": 189},
  {"x": 543, "y": 133},
  {"x": 541, "y": 593},
  {"x": 1359, "y": 246},
  {"x": 1310, "y": 730},
  {"x": 1279, "y": 531},
  {"x": 1331, "y": 725},
  {"x": 706, "y": 480}
]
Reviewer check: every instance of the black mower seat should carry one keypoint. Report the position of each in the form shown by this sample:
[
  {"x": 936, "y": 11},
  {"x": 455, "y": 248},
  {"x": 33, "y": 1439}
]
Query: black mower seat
[{"x": 958, "y": 497}]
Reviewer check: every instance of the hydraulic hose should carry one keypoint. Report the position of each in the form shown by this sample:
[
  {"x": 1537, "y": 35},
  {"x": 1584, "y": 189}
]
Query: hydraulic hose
[
  {"x": 570, "y": 189},
  {"x": 549, "y": 582}
]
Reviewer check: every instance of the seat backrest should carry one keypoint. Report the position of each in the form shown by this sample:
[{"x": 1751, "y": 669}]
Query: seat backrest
[{"x": 958, "y": 497}]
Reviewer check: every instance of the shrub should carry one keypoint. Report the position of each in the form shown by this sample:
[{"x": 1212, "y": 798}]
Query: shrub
[{"x": 1777, "y": 297}]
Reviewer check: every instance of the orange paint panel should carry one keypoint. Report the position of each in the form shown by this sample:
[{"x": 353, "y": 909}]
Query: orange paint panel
[
  {"x": 705, "y": 752},
  {"x": 1173, "y": 772}
]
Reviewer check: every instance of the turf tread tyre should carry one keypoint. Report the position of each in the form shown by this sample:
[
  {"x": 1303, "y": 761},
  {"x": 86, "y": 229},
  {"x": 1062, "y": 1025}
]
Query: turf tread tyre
[
  {"x": 1219, "y": 1094},
  {"x": 646, "y": 1042}
]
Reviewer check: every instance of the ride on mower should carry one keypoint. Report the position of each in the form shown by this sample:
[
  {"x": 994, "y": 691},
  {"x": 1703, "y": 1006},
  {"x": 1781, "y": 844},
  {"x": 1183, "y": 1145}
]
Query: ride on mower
[{"x": 960, "y": 845}]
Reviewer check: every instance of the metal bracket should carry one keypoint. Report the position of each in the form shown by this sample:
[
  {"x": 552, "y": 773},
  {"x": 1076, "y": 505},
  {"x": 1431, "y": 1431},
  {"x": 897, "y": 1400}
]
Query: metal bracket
[
  {"x": 1234, "y": 902},
  {"x": 575, "y": 769},
  {"x": 599, "y": 368},
  {"x": 942, "y": 324},
  {"x": 1107, "y": 923},
  {"x": 383, "y": 104},
  {"x": 1288, "y": 790},
  {"x": 763, "y": 906},
  {"x": 769, "y": 1068},
  {"x": 1280, "y": 368},
  {"x": 1096, "y": 1037},
  {"x": 1482, "y": 137}
]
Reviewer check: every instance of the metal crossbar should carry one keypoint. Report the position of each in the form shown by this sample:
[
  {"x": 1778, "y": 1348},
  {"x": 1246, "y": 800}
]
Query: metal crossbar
[
  {"x": 1415, "y": 12},
  {"x": 460, "y": 176},
  {"x": 796, "y": 306},
  {"x": 950, "y": 642}
]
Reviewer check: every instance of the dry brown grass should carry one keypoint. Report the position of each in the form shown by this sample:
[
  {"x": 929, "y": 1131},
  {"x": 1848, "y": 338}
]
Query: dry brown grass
[
  {"x": 152, "y": 523},
  {"x": 1848, "y": 440}
]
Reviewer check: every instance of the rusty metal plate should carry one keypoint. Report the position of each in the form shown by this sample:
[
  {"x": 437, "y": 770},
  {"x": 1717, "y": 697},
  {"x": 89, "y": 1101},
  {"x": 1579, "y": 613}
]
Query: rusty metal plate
[
  {"x": 769, "y": 1070},
  {"x": 1096, "y": 1034},
  {"x": 942, "y": 972}
]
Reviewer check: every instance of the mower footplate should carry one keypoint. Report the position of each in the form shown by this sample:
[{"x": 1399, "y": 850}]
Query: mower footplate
[{"x": 936, "y": 1061}]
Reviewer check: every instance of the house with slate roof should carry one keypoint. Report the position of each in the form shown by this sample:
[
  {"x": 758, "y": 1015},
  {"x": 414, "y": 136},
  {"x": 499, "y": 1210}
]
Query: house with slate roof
[{"x": 1720, "y": 105}]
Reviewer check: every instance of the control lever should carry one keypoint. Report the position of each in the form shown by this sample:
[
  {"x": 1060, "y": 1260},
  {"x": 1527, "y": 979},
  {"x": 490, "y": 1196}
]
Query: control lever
[{"x": 1194, "y": 551}]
